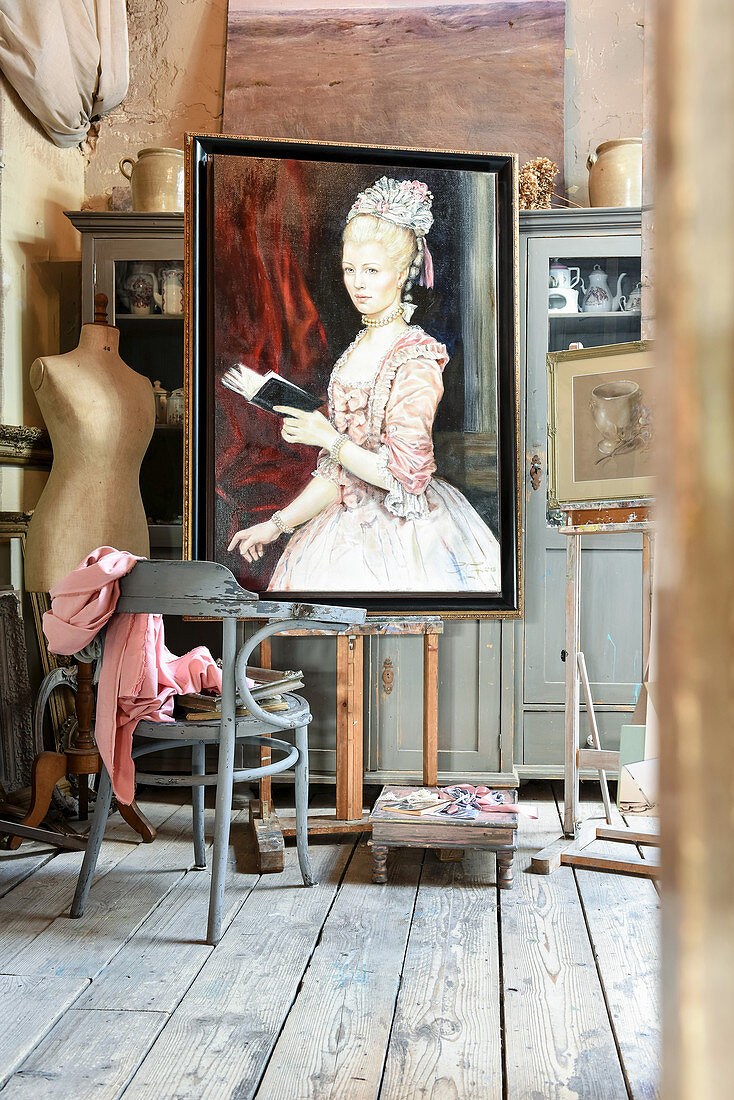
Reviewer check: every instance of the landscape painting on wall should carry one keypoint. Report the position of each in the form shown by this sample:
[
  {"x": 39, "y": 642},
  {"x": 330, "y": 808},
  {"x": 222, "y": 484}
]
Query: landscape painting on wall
[
  {"x": 420, "y": 511},
  {"x": 482, "y": 75}
]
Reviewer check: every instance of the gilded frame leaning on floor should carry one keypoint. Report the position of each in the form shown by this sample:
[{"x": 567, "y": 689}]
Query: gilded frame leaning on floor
[{"x": 352, "y": 417}]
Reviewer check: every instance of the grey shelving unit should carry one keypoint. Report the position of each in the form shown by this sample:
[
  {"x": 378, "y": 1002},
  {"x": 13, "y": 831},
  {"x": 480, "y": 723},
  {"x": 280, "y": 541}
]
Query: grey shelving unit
[{"x": 612, "y": 570}]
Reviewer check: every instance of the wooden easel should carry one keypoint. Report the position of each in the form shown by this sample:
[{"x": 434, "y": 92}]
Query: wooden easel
[
  {"x": 349, "y": 815},
  {"x": 570, "y": 848}
]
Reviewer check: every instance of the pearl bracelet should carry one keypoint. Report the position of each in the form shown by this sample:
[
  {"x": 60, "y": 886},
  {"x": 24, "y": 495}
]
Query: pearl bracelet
[
  {"x": 281, "y": 524},
  {"x": 336, "y": 446}
]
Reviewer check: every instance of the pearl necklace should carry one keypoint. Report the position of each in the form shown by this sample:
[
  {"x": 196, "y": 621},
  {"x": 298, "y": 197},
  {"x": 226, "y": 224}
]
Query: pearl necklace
[{"x": 382, "y": 321}]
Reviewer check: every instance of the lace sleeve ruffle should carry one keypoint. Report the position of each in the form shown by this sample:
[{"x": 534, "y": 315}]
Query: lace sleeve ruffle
[
  {"x": 398, "y": 500},
  {"x": 327, "y": 468}
]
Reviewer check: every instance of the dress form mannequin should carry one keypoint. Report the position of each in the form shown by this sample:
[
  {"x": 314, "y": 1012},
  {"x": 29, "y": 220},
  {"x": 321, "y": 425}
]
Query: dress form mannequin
[{"x": 100, "y": 415}]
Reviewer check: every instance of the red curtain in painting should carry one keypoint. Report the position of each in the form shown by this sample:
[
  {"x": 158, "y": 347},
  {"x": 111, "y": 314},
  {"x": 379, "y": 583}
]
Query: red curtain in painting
[{"x": 264, "y": 317}]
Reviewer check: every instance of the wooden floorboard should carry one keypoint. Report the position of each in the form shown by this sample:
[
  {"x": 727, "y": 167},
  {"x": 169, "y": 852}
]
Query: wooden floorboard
[
  {"x": 87, "y": 1056},
  {"x": 33, "y": 905},
  {"x": 117, "y": 905},
  {"x": 433, "y": 986},
  {"x": 446, "y": 1035},
  {"x": 17, "y": 866},
  {"x": 623, "y": 917},
  {"x": 30, "y": 1008},
  {"x": 558, "y": 1038},
  {"x": 334, "y": 1041},
  {"x": 219, "y": 1038},
  {"x": 157, "y": 965}
]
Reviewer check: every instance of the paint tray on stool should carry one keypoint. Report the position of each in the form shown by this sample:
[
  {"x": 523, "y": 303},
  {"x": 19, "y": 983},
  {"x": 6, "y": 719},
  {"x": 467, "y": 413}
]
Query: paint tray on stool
[{"x": 394, "y": 802}]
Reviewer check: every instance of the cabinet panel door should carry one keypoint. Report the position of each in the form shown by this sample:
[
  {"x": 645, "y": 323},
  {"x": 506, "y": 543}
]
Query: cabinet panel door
[
  {"x": 469, "y": 665},
  {"x": 611, "y": 594},
  {"x": 611, "y": 619},
  {"x": 544, "y": 734},
  {"x": 316, "y": 655}
]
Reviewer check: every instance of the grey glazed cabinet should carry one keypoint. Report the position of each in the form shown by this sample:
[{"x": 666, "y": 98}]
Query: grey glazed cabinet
[
  {"x": 151, "y": 344},
  {"x": 611, "y": 627}
]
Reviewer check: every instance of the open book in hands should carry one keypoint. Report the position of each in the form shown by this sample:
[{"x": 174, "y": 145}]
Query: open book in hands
[{"x": 267, "y": 390}]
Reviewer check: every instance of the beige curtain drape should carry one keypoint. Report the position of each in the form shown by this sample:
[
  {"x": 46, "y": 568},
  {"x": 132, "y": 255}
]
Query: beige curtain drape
[{"x": 66, "y": 59}]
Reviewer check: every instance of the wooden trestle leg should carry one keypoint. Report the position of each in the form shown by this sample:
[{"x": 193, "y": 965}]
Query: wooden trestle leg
[{"x": 80, "y": 759}]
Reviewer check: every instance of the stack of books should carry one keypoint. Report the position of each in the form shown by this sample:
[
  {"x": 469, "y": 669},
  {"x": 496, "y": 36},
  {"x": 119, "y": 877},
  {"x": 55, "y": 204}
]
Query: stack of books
[{"x": 267, "y": 691}]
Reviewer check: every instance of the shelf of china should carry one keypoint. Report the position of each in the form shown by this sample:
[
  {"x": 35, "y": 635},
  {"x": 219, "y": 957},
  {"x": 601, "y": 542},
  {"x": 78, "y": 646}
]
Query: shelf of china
[
  {"x": 617, "y": 315},
  {"x": 148, "y": 317}
]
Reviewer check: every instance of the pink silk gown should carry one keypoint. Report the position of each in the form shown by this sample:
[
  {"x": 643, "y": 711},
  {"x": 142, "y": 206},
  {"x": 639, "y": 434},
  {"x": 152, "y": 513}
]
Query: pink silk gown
[{"x": 418, "y": 535}]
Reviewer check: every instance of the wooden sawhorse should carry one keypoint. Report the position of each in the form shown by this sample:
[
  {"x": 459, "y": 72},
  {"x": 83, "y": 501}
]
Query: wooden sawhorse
[{"x": 349, "y": 814}]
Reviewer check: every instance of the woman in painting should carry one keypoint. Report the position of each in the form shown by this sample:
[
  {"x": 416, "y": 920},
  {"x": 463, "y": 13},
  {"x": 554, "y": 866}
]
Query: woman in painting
[{"x": 374, "y": 518}]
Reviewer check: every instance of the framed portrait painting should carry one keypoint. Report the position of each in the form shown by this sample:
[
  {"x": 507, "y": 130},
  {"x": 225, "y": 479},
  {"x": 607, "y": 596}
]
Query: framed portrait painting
[
  {"x": 601, "y": 420},
  {"x": 351, "y": 385}
]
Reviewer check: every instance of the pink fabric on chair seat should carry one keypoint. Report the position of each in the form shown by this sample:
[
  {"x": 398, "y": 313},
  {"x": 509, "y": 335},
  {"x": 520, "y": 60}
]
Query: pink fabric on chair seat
[{"x": 139, "y": 676}]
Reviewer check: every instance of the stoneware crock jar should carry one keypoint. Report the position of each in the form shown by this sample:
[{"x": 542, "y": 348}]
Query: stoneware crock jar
[
  {"x": 615, "y": 173},
  {"x": 156, "y": 179}
]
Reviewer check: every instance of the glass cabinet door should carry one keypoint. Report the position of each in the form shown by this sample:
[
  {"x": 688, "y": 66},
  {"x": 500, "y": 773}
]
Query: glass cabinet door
[
  {"x": 143, "y": 281},
  {"x": 581, "y": 291},
  {"x": 592, "y": 302}
]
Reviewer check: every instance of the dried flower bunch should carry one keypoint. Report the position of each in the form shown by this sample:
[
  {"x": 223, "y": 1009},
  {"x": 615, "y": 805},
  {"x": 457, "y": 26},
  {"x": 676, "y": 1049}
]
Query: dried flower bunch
[{"x": 536, "y": 183}]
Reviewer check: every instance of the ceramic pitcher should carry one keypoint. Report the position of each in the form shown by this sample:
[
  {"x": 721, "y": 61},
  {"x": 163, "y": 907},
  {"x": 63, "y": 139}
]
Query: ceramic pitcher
[
  {"x": 598, "y": 298},
  {"x": 171, "y": 297},
  {"x": 560, "y": 275},
  {"x": 615, "y": 173},
  {"x": 156, "y": 179}
]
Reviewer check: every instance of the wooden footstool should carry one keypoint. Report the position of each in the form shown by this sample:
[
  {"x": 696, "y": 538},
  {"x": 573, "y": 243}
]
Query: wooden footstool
[{"x": 495, "y": 832}]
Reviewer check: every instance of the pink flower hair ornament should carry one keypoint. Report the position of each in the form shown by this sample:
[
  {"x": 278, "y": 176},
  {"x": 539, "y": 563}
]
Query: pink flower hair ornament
[{"x": 405, "y": 202}]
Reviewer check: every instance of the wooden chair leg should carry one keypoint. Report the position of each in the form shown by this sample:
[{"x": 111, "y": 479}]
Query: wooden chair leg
[
  {"x": 198, "y": 767},
  {"x": 225, "y": 773},
  {"x": 96, "y": 833},
  {"x": 304, "y": 862}
]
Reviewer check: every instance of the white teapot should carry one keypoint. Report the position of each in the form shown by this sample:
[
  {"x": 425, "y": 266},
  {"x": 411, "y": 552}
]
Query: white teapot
[{"x": 632, "y": 303}]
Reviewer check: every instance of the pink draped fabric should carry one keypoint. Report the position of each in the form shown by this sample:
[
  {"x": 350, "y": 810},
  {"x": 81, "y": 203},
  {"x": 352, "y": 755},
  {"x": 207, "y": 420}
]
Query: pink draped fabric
[{"x": 139, "y": 676}]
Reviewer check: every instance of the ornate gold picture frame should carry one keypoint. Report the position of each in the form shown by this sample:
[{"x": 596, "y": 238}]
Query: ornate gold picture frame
[{"x": 266, "y": 293}]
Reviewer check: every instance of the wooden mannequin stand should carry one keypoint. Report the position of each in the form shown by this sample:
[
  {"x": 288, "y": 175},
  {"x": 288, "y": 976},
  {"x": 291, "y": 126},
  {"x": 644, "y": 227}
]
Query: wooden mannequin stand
[
  {"x": 569, "y": 849},
  {"x": 115, "y": 516},
  {"x": 80, "y": 759}
]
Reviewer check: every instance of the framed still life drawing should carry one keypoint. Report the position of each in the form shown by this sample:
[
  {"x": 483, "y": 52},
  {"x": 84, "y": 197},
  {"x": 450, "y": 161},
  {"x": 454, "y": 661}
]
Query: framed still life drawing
[
  {"x": 351, "y": 381},
  {"x": 601, "y": 418}
]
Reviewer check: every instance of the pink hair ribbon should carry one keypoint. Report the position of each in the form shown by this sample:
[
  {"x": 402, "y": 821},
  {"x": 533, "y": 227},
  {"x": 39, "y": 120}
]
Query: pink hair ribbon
[{"x": 426, "y": 278}]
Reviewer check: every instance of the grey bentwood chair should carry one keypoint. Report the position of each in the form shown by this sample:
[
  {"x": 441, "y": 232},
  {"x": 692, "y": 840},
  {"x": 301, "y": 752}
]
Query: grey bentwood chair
[{"x": 206, "y": 589}]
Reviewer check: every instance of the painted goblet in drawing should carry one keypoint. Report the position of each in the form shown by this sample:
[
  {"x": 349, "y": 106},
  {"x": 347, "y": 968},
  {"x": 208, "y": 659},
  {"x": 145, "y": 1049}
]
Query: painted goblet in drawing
[{"x": 615, "y": 407}]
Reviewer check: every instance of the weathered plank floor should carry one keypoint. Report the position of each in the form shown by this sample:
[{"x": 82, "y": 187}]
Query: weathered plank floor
[{"x": 435, "y": 986}]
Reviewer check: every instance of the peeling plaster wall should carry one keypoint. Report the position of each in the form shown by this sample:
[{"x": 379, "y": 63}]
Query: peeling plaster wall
[
  {"x": 604, "y": 67},
  {"x": 39, "y": 270},
  {"x": 177, "y": 52}
]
